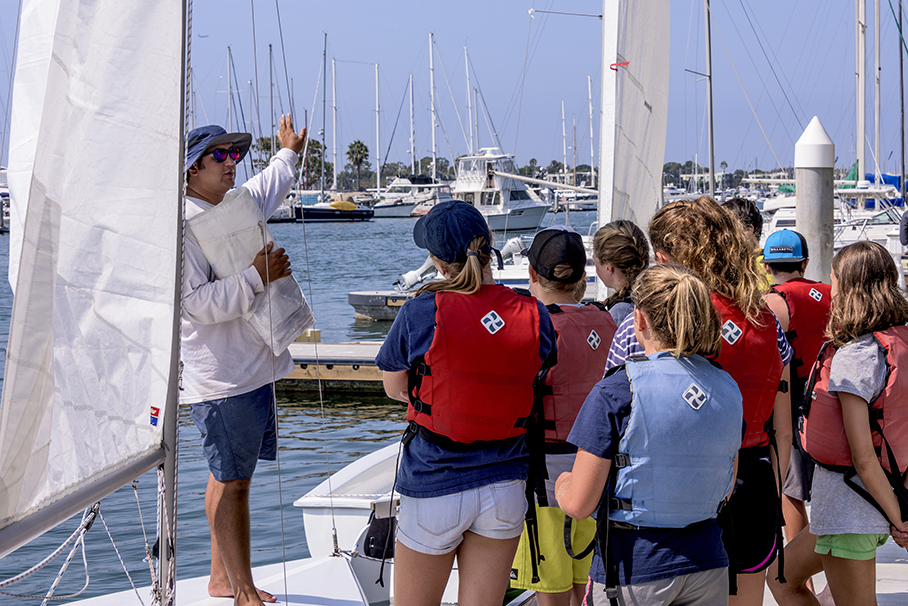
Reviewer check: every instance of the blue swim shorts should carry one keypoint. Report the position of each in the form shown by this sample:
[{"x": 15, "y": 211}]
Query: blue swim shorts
[{"x": 236, "y": 432}]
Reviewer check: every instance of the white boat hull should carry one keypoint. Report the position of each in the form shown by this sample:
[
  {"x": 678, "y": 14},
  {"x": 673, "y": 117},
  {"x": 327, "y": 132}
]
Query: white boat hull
[
  {"x": 529, "y": 217},
  {"x": 394, "y": 211}
]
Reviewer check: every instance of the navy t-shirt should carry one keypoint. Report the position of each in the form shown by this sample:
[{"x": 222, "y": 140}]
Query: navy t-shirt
[
  {"x": 428, "y": 470},
  {"x": 648, "y": 554}
]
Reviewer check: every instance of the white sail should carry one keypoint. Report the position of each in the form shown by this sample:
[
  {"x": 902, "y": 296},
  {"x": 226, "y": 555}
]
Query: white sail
[
  {"x": 36, "y": 33},
  {"x": 95, "y": 165},
  {"x": 634, "y": 109}
]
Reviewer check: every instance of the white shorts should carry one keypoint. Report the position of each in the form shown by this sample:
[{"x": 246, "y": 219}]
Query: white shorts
[{"x": 436, "y": 525}]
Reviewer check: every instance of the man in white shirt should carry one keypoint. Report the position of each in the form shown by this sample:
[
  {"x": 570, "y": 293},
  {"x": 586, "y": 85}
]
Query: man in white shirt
[{"x": 228, "y": 368}]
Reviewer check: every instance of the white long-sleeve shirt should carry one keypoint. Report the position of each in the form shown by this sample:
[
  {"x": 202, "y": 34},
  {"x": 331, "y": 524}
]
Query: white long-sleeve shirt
[{"x": 223, "y": 356}]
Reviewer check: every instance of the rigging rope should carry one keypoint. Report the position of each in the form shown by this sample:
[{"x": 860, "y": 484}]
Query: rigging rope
[
  {"x": 771, "y": 66},
  {"x": 88, "y": 518},
  {"x": 9, "y": 86},
  {"x": 721, "y": 39}
]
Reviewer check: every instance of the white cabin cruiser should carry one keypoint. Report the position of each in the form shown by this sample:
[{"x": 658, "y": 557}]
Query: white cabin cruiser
[
  {"x": 406, "y": 193},
  {"x": 507, "y": 204}
]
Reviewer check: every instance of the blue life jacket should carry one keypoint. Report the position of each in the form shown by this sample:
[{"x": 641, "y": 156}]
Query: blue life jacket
[{"x": 675, "y": 459}]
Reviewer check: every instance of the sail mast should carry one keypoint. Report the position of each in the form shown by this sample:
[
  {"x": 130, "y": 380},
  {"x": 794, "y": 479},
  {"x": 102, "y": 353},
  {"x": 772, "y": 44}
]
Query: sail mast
[
  {"x": 589, "y": 88},
  {"x": 432, "y": 96},
  {"x": 709, "y": 103},
  {"x": 876, "y": 84},
  {"x": 466, "y": 60},
  {"x": 902, "y": 103},
  {"x": 377, "y": 138},
  {"x": 860, "y": 10},
  {"x": 412, "y": 132},
  {"x": 334, "y": 120},
  {"x": 324, "y": 112}
]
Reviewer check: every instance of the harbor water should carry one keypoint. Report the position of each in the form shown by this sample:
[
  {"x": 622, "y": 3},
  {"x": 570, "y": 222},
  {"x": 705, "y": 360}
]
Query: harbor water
[{"x": 316, "y": 437}]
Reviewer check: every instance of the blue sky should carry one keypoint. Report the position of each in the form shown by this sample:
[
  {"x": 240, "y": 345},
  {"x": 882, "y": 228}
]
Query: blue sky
[{"x": 795, "y": 59}]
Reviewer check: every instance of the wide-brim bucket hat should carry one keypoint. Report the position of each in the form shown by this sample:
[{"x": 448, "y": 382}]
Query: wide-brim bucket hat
[{"x": 204, "y": 137}]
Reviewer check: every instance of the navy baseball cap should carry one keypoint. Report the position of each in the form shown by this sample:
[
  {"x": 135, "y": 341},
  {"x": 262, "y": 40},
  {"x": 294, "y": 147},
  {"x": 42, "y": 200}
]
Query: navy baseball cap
[
  {"x": 553, "y": 246},
  {"x": 448, "y": 229},
  {"x": 785, "y": 245},
  {"x": 203, "y": 137}
]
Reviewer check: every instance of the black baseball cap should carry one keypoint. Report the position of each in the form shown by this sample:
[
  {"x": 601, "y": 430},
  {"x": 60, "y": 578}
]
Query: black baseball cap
[
  {"x": 553, "y": 246},
  {"x": 448, "y": 229}
]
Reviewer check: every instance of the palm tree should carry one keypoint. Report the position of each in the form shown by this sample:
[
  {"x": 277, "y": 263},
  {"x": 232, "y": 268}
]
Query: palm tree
[{"x": 357, "y": 154}]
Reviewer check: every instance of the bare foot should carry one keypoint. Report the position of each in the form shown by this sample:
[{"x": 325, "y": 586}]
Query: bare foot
[{"x": 222, "y": 592}]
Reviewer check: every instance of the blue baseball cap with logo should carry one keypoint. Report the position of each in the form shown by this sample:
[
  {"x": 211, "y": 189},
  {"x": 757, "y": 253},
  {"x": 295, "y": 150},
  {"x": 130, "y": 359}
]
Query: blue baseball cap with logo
[
  {"x": 448, "y": 229},
  {"x": 785, "y": 245},
  {"x": 203, "y": 137}
]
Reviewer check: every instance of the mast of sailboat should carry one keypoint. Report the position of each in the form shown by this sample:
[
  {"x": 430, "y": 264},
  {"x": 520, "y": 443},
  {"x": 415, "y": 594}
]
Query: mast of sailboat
[
  {"x": 563, "y": 146},
  {"x": 271, "y": 94},
  {"x": 876, "y": 85},
  {"x": 377, "y": 138},
  {"x": 412, "y": 132},
  {"x": 229, "y": 89},
  {"x": 574, "y": 149},
  {"x": 902, "y": 101},
  {"x": 476, "y": 116},
  {"x": 606, "y": 180},
  {"x": 334, "y": 120},
  {"x": 860, "y": 10},
  {"x": 709, "y": 103},
  {"x": 167, "y": 521},
  {"x": 432, "y": 97},
  {"x": 466, "y": 62},
  {"x": 589, "y": 88},
  {"x": 324, "y": 113}
]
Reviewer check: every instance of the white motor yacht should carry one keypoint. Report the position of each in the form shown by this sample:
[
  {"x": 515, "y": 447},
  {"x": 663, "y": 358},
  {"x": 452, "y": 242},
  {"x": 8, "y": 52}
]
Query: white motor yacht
[{"x": 507, "y": 204}]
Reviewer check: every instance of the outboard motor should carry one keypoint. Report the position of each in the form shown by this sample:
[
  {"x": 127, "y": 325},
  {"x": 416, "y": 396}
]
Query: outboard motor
[{"x": 412, "y": 278}]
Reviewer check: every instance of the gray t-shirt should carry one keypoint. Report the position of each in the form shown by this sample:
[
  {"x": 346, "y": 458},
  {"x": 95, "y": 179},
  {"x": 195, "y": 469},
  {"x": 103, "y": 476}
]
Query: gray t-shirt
[{"x": 858, "y": 368}]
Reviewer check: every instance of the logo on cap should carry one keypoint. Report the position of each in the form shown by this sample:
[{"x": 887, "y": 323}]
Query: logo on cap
[
  {"x": 594, "y": 340},
  {"x": 695, "y": 396},
  {"x": 731, "y": 332},
  {"x": 493, "y": 322},
  {"x": 815, "y": 295},
  {"x": 781, "y": 249}
]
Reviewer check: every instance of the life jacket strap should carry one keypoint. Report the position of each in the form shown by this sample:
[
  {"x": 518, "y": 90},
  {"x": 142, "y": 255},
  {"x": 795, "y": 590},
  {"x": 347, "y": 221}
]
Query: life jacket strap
[
  {"x": 621, "y": 460},
  {"x": 619, "y": 504}
]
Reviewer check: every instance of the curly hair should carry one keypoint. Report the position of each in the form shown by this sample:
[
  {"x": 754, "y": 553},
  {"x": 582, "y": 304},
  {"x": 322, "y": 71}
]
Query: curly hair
[
  {"x": 622, "y": 244},
  {"x": 708, "y": 239},
  {"x": 677, "y": 305},
  {"x": 868, "y": 296},
  {"x": 747, "y": 213}
]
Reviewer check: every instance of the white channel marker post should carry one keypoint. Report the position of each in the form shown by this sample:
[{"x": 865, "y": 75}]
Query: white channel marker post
[{"x": 814, "y": 163}]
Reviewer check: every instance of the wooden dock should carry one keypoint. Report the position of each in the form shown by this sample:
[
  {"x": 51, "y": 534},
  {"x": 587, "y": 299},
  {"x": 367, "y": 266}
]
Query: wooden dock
[{"x": 341, "y": 367}]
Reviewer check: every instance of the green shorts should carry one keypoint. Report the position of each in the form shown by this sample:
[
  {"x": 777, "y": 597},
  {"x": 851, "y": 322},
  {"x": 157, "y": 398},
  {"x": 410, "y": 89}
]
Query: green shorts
[
  {"x": 850, "y": 546},
  {"x": 558, "y": 572}
]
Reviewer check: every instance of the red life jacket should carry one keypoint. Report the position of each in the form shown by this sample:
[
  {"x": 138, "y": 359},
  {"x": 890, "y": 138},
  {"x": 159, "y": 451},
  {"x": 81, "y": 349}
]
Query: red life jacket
[
  {"x": 750, "y": 354},
  {"x": 808, "y": 313},
  {"x": 584, "y": 336},
  {"x": 476, "y": 380},
  {"x": 823, "y": 430}
]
